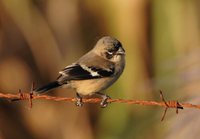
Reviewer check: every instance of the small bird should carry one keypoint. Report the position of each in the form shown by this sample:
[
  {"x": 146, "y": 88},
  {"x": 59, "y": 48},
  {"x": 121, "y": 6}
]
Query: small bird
[{"x": 93, "y": 72}]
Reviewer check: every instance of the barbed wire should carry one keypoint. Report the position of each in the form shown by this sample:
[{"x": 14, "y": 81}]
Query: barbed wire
[{"x": 163, "y": 103}]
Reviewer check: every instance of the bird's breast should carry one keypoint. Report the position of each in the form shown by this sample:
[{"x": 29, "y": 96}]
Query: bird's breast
[{"x": 89, "y": 87}]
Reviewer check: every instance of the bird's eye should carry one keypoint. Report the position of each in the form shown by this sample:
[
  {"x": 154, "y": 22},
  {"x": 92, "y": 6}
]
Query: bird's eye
[
  {"x": 118, "y": 45},
  {"x": 113, "y": 50}
]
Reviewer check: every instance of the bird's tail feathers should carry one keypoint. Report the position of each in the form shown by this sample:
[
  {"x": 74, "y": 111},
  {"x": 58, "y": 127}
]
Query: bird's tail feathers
[{"x": 47, "y": 87}]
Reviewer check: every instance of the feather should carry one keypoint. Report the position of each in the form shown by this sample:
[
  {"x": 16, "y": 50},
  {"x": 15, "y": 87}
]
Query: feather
[
  {"x": 82, "y": 72},
  {"x": 47, "y": 87}
]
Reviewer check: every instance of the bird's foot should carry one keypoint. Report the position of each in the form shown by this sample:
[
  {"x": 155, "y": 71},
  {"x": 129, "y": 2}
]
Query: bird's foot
[
  {"x": 104, "y": 102},
  {"x": 79, "y": 101}
]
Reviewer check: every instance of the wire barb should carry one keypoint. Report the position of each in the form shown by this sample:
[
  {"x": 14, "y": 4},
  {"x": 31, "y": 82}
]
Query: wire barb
[
  {"x": 26, "y": 96},
  {"x": 31, "y": 95},
  {"x": 169, "y": 104}
]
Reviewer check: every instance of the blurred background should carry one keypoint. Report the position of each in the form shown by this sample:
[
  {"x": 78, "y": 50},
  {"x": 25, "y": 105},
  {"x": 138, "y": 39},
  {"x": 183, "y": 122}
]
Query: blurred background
[{"x": 162, "y": 43}]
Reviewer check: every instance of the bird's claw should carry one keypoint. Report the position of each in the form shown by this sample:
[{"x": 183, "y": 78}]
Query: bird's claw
[
  {"x": 79, "y": 101},
  {"x": 104, "y": 103}
]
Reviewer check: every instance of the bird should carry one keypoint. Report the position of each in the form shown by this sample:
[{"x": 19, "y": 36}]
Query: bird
[{"x": 94, "y": 72}]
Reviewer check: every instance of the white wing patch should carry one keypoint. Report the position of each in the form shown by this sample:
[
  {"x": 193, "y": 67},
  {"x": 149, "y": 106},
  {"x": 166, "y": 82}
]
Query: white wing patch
[{"x": 93, "y": 73}]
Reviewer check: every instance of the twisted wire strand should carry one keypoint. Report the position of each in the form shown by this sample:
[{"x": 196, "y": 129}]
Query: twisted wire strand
[
  {"x": 169, "y": 104},
  {"x": 163, "y": 103}
]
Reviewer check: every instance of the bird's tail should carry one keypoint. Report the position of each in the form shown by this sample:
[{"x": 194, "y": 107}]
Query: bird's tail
[{"x": 47, "y": 87}]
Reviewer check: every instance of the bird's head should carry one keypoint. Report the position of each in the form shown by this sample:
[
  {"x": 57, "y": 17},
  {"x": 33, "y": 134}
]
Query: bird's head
[{"x": 109, "y": 48}]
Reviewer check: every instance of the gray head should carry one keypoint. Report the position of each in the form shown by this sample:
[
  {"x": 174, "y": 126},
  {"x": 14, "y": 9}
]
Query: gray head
[{"x": 109, "y": 48}]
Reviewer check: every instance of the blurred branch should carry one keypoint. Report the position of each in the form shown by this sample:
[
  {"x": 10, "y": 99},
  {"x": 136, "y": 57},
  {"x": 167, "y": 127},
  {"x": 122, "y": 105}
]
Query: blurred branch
[{"x": 163, "y": 103}]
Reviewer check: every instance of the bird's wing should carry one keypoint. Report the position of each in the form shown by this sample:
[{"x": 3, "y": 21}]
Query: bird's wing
[{"x": 82, "y": 72}]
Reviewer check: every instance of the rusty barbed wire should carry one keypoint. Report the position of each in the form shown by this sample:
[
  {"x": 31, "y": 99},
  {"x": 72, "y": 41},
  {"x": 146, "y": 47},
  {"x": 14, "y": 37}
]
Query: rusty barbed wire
[{"x": 163, "y": 103}]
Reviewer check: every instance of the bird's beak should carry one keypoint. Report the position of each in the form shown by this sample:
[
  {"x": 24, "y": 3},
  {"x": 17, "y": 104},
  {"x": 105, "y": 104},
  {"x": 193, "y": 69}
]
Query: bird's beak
[{"x": 121, "y": 51}]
